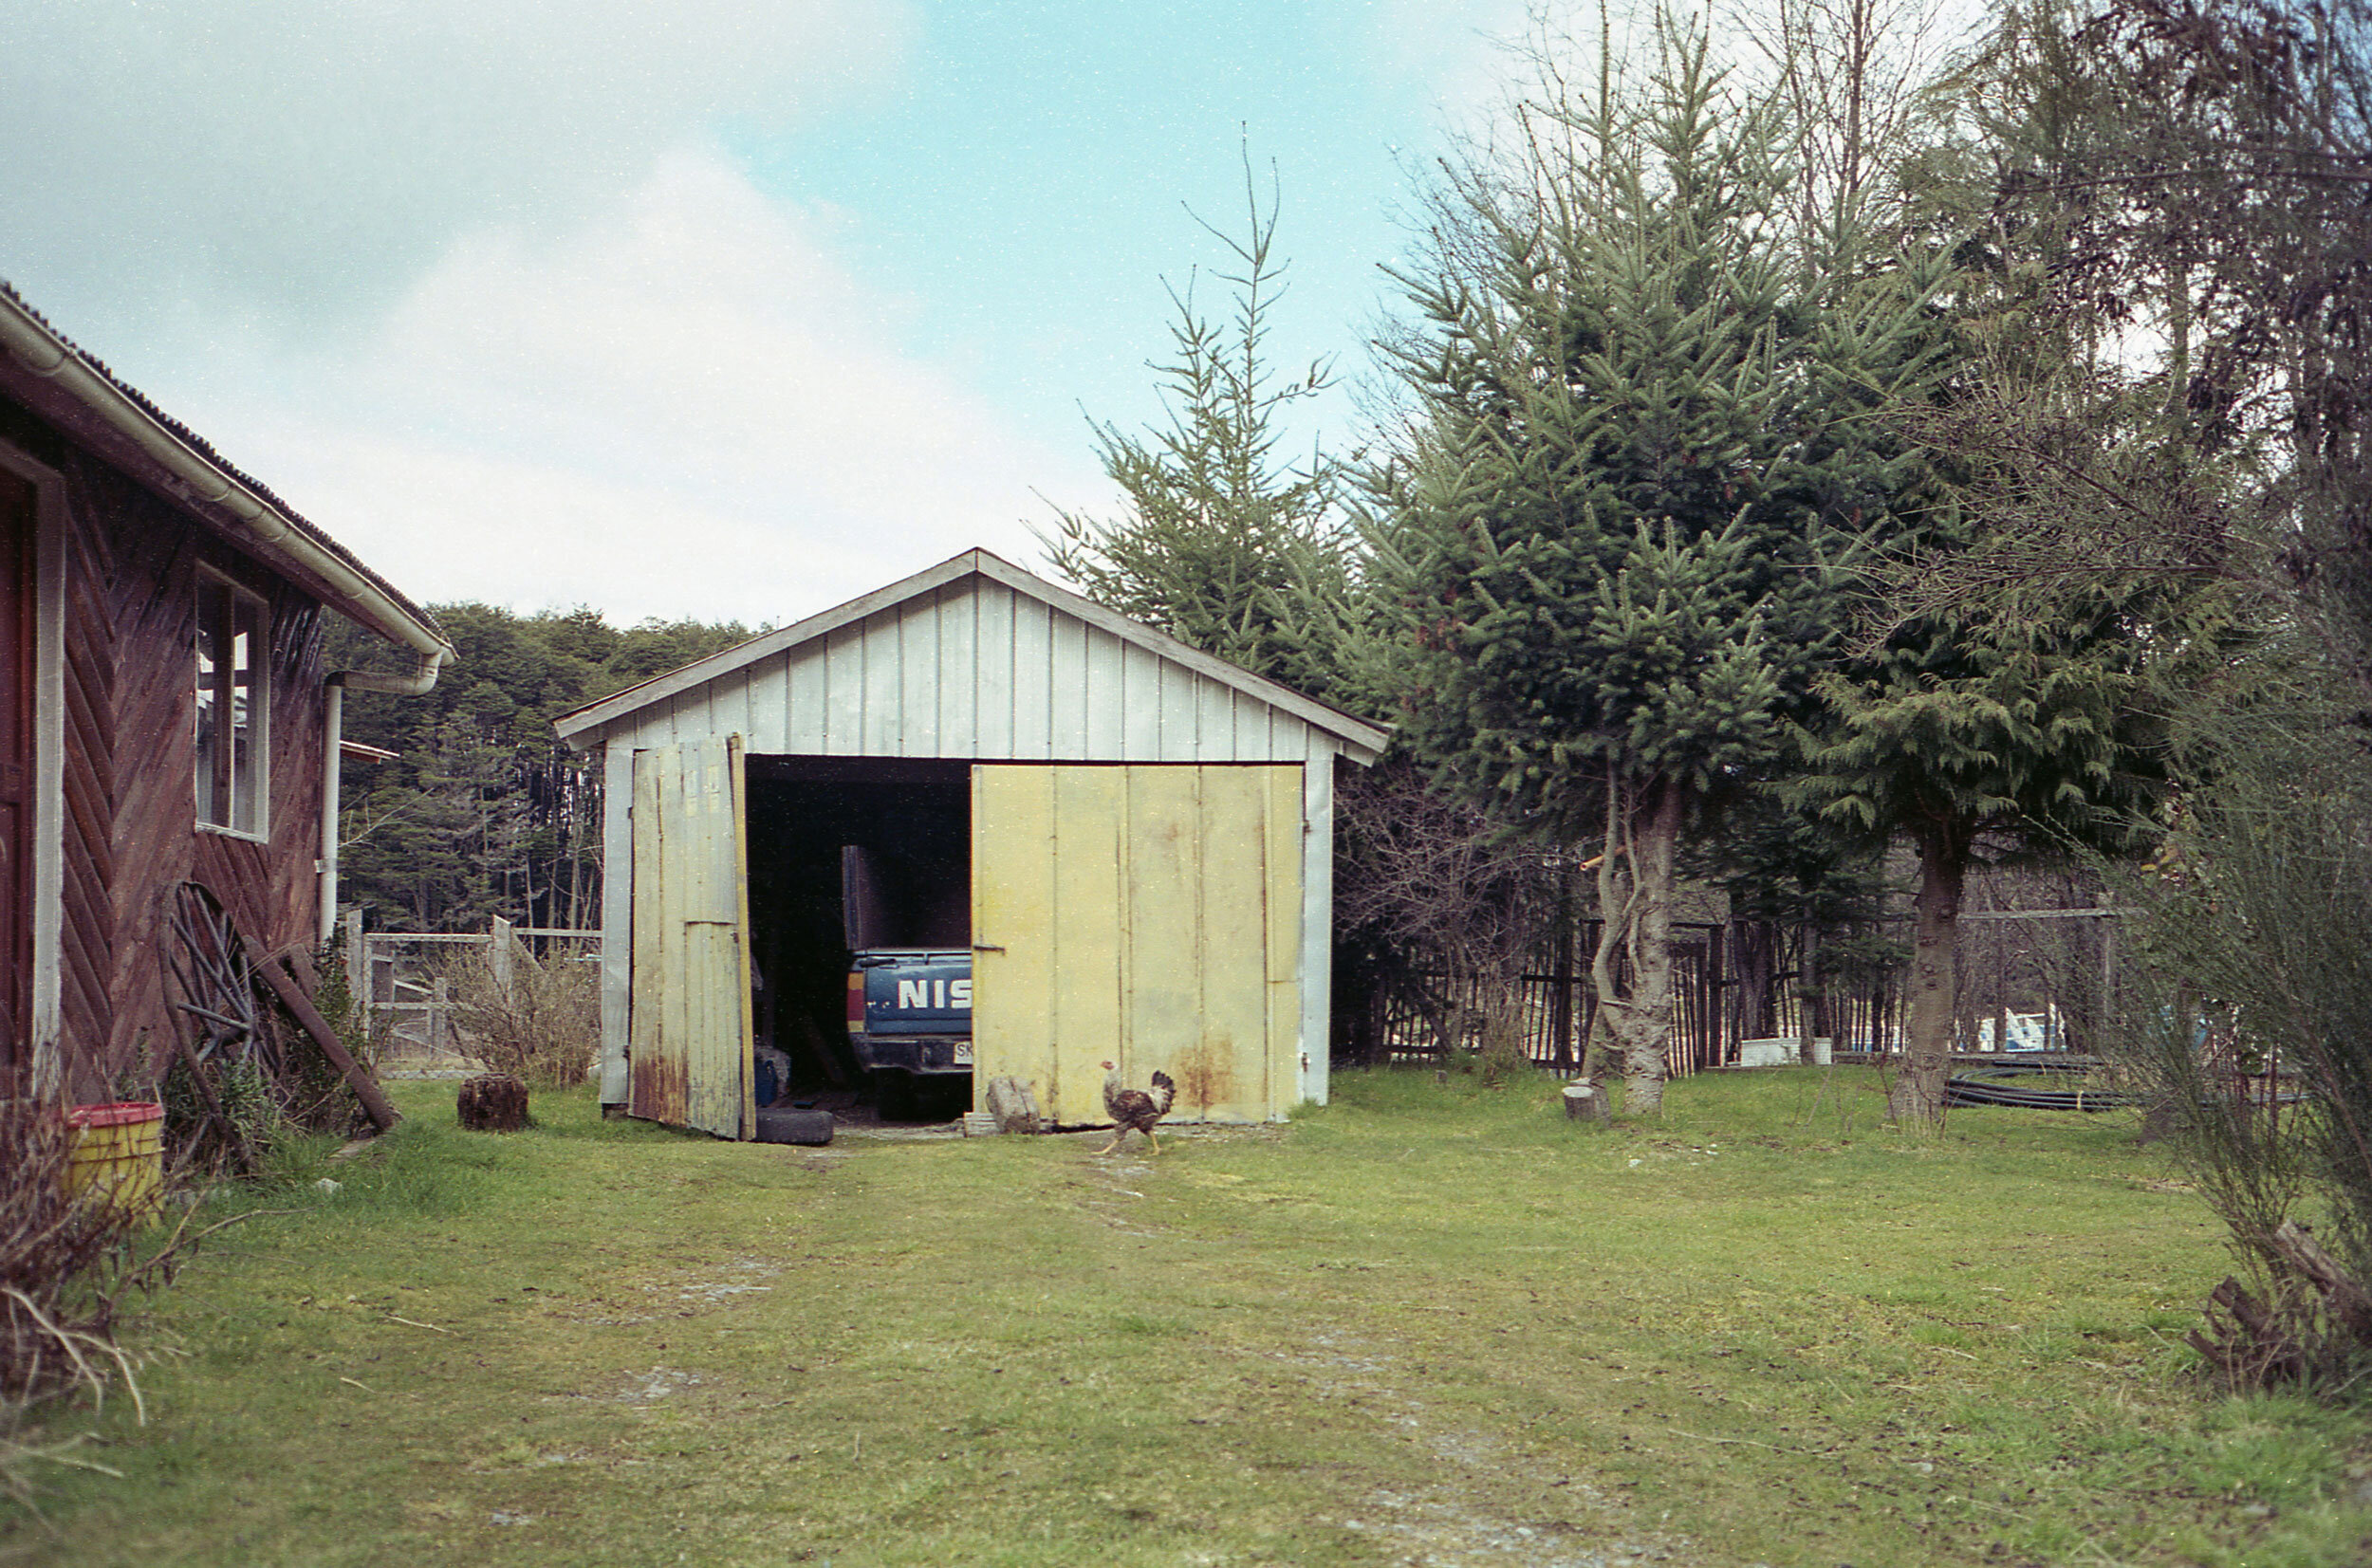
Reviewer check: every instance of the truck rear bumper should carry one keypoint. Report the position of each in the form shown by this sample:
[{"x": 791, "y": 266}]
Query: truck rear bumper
[{"x": 924, "y": 1055}]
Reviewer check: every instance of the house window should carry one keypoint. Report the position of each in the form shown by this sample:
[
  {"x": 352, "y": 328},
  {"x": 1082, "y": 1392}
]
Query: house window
[{"x": 234, "y": 707}]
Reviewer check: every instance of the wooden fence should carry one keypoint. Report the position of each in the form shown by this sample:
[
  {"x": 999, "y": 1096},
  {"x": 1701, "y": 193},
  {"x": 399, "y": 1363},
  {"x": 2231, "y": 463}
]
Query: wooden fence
[
  {"x": 2055, "y": 968},
  {"x": 402, "y": 976},
  {"x": 2028, "y": 979},
  {"x": 1555, "y": 1010}
]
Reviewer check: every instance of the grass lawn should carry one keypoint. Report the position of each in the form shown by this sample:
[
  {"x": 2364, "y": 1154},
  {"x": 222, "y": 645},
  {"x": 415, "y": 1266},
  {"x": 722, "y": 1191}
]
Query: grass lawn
[{"x": 1431, "y": 1325}]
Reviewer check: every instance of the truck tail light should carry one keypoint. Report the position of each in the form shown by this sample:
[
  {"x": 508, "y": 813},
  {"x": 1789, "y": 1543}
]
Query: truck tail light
[{"x": 855, "y": 1003}]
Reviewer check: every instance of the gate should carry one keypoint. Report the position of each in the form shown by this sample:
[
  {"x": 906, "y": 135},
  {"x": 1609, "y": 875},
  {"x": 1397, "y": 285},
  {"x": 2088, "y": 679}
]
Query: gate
[{"x": 397, "y": 976}]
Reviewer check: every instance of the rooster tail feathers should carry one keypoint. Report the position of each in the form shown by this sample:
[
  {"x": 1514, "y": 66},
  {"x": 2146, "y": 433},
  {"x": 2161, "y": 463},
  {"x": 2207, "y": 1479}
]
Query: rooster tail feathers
[{"x": 1164, "y": 1091}]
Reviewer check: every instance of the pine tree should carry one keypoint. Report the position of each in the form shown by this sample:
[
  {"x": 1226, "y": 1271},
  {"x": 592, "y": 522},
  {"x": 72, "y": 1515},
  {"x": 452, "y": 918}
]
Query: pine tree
[
  {"x": 1611, "y": 537},
  {"x": 1223, "y": 544},
  {"x": 2030, "y": 718},
  {"x": 2012, "y": 696},
  {"x": 2033, "y": 733}
]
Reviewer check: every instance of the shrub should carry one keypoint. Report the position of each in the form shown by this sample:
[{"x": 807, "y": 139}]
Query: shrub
[
  {"x": 1500, "y": 1055},
  {"x": 60, "y": 1272},
  {"x": 313, "y": 1095},
  {"x": 2253, "y": 958},
  {"x": 541, "y": 1020},
  {"x": 53, "y": 1249},
  {"x": 66, "y": 1265}
]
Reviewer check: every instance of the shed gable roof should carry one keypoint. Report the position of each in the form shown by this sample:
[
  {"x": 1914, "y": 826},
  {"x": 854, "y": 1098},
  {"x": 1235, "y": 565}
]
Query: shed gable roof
[{"x": 627, "y": 710}]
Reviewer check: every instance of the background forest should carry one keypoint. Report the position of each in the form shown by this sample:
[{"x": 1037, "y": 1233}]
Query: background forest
[{"x": 482, "y": 811}]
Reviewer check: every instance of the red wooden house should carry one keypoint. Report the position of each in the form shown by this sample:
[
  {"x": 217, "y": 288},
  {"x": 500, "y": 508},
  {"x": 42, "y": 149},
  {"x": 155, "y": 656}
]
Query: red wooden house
[{"x": 165, "y": 715}]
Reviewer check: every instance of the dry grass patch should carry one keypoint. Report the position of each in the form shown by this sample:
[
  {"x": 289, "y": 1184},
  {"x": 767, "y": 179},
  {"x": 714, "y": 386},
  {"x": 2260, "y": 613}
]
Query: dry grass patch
[{"x": 539, "y": 1019}]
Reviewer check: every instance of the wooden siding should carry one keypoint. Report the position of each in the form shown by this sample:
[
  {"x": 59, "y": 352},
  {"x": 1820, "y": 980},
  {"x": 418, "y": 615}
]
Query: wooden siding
[
  {"x": 19, "y": 610},
  {"x": 975, "y": 670},
  {"x": 984, "y": 642},
  {"x": 129, "y": 830}
]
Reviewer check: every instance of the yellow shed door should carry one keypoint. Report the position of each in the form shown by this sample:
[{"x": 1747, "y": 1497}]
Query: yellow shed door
[
  {"x": 1146, "y": 914},
  {"x": 689, "y": 1027}
]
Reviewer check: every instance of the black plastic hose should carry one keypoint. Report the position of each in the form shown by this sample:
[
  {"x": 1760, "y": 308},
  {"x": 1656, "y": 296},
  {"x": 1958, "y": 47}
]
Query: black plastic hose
[{"x": 1997, "y": 1085}]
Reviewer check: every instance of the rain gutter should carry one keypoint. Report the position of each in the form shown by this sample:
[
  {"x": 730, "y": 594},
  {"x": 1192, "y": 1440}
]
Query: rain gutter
[{"x": 47, "y": 355}]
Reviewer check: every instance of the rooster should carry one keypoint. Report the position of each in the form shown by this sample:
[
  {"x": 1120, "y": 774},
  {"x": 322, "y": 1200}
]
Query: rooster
[{"x": 1134, "y": 1107}]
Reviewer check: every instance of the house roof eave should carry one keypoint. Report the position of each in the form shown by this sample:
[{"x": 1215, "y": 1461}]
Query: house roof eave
[{"x": 356, "y": 591}]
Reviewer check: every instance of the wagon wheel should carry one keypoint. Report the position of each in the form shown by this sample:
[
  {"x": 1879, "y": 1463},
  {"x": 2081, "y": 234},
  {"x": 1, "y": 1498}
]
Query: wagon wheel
[
  {"x": 217, "y": 982},
  {"x": 218, "y": 994}
]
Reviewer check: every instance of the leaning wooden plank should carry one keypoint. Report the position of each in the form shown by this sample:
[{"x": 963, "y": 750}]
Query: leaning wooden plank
[{"x": 366, "y": 1089}]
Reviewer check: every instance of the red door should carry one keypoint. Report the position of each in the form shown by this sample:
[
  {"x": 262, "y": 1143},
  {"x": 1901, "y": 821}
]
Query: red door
[{"x": 16, "y": 775}]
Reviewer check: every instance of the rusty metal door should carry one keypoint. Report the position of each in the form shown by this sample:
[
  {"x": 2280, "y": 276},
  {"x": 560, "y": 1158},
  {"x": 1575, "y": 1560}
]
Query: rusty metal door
[
  {"x": 1148, "y": 915},
  {"x": 689, "y": 1027},
  {"x": 16, "y": 776}
]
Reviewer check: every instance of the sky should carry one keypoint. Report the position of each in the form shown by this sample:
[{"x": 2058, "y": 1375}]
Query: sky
[{"x": 724, "y": 309}]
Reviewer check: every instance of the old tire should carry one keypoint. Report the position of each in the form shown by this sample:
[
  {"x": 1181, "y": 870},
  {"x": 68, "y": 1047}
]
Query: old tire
[{"x": 788, "y": 1126}]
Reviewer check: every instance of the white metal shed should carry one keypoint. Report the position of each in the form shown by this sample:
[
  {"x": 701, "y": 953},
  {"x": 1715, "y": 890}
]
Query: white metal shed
[{"x": 1146, "y": 838}]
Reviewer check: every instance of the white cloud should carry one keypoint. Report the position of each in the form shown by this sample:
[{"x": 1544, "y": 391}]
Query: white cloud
[
  {"x": 685, "y": 405},
  {"x": 1459, "y": 49},
  {"x": 303, "y": 160},
  {"x": 1477, "y": 57}
]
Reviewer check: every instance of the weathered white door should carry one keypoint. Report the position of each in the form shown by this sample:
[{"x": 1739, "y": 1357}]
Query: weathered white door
[
  {"x": 1148, "y": 915},
  {"x": 689, "y": 1030}
]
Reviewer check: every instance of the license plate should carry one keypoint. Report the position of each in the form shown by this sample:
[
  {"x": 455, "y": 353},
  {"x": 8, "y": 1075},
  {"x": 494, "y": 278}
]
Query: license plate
[{"x": 963, "y": 1053}]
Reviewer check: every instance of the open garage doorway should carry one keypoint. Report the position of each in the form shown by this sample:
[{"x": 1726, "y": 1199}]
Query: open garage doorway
[{"x": 909, "y": 824}]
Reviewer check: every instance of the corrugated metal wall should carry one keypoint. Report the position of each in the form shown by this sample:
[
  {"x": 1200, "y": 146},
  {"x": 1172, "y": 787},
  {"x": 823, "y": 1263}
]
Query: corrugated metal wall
[
  {"x": 1146, "y": 914},
  {"x": 973, "y": 669},
  {"x": 977, "y": 669},
  {"x": 690, "y": 957}
]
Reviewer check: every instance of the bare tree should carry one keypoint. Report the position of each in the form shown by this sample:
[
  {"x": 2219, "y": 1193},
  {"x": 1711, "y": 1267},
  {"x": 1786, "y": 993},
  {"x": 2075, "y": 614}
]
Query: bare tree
[
  {"x": 1453, "y": 904},
  {"x": 1856, "y": 77},
  {"x": 2184, "y": 184}
]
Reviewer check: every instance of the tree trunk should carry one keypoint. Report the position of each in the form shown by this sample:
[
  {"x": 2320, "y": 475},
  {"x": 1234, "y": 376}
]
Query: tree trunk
[
  {"x": 1639, "y": 1021},
  {"x": 1758, "y": 960},
  {"x": 492, "y": 1102},
  {"x": 1917, "y": 1099},
  {"x": 1585, "y": 1102}
]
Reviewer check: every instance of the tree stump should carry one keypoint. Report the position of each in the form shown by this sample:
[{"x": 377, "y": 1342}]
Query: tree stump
[
  {"x": 494, "y": 1102},
  {"x": 1587, "y": 1102},
  {"x": 1014, "y": 1107}
]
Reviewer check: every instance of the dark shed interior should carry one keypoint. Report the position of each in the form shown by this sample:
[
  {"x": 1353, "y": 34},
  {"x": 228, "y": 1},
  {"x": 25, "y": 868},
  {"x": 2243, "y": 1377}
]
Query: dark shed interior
[{"x": 912, "y": 822}]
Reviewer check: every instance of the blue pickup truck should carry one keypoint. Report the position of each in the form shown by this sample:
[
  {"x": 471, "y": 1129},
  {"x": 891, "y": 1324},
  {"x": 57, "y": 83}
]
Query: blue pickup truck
[
  {"x": 908, "y": 927},
  {"x": 910, "y": 1020}
]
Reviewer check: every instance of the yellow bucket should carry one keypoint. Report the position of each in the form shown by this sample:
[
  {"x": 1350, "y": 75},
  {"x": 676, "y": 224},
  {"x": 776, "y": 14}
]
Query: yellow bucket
[{"x": 117, "y": 1153}]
